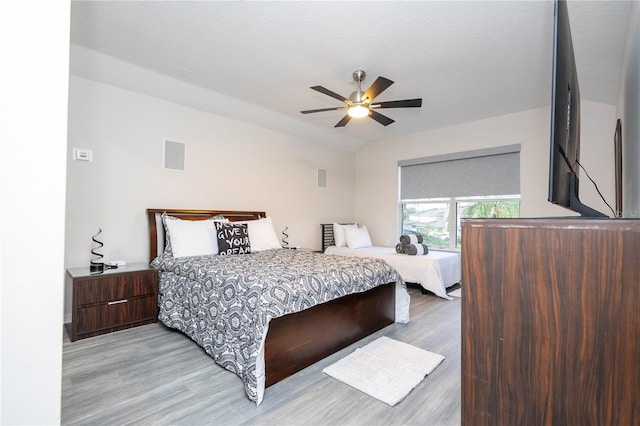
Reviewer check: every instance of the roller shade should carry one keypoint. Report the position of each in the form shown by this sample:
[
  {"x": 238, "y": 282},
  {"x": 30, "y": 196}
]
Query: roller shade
[{"x": 492, "y": 171}]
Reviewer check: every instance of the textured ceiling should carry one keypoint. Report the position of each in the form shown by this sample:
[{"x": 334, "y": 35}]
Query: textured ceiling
[{"x": 468, "y": 60}]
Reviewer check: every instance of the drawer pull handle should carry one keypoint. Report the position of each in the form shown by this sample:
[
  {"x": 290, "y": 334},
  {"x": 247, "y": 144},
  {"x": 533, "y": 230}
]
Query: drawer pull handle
[{"x": 117, "y": 302}]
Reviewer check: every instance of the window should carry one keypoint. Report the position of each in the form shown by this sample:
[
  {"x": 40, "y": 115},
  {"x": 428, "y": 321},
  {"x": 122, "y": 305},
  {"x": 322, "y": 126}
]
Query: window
[
  {"x": 433, "y": 218},
  {"x": 437, "y": 192}
]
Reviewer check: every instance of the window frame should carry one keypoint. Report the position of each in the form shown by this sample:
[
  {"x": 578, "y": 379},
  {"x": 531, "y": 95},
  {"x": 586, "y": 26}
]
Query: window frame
[{"x": 453, "y": 213}]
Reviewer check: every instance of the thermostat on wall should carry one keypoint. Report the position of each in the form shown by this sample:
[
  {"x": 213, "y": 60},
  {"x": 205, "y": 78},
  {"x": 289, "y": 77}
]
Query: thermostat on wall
[{"x": 82, "y": 154}]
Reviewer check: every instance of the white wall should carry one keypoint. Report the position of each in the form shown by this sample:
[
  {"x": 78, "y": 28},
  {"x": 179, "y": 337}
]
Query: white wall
[
  {"x": 34, "y": 41},
  {"x": 377, "y": 170},
  {"x": 629, "y": 113},
  {"x": 230, "y": 165}
]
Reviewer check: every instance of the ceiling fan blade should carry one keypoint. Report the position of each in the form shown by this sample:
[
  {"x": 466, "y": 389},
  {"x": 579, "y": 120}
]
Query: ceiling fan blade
[
  {"x": 332, "y": 94},
  {"x": 380, "y": 85},
  {"x": 344, "y": 121},
  {"x": 309, "y": 111},
  {"x": 406, "y": 103},
  {"x": 382, "y": 119}
]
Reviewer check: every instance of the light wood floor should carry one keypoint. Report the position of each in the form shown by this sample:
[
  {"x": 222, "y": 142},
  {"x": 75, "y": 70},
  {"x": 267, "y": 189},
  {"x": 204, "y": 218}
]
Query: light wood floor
[{"x": 151, "y": 375}]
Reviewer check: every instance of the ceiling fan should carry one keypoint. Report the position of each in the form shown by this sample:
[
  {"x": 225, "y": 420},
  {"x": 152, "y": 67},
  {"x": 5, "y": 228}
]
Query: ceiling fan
[{"x": 360, "y": 104}]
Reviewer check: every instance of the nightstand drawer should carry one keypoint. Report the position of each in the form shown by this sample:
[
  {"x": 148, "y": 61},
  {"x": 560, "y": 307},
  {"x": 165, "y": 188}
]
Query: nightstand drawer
[
  {"x": 112, "y": 300},
  {"x": 107, "y": 289},
  {"x": 115, "y": 313}
]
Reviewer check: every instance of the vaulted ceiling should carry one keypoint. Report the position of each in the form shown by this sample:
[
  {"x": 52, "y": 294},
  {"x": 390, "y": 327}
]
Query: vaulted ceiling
[{"x": 255, "y": 60}]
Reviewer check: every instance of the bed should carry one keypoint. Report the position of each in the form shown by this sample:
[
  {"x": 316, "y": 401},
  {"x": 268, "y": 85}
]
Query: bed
[
  {"x": 270, "y": 313},
  {"x": 435, "y": 272}
]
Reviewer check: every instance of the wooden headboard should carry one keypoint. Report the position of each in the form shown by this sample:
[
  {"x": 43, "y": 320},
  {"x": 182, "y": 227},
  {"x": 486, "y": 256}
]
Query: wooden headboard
[
  {"x": 327, "y": 234},
  {"x": 156, "y": 229}
]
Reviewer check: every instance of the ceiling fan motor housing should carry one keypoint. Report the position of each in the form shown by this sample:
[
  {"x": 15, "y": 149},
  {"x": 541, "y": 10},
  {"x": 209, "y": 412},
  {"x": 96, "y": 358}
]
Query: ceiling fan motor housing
[{"x": 357, "y": 96}]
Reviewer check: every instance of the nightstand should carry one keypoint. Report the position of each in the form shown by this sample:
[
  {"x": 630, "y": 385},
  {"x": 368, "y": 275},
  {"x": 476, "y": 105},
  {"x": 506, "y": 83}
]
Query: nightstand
[
  {"x": 304, "y": 249},
  {"x": 113, "y": 300}
]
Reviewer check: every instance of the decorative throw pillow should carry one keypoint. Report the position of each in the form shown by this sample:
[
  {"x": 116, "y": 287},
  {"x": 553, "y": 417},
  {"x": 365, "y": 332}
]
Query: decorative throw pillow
[
  {"x": 262, "y": 235},
  {"x": 168, "y": 250},
  {"x": 357, "y": 237},
  {"x": 338, "y": 234},
  {"x": 233, "y": 238}
]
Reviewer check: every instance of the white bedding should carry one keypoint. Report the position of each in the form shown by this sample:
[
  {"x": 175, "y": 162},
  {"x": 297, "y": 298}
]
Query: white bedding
[{"x": 435, "y": 271}]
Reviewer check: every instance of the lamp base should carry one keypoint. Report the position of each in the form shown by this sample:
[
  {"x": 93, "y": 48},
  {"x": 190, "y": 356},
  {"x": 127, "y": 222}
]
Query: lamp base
[{"x": 96, "y": 267}]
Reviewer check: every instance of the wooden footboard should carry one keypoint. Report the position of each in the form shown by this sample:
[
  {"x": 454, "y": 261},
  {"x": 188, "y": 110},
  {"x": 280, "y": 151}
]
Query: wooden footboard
[{"x": 297, "y": 340}]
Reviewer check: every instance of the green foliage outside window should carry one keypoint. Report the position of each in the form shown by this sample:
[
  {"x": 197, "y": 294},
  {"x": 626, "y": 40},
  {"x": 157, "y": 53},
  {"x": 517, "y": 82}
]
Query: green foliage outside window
[
  {"x": 492, "y": 209},
  {"x": 498, "y": 209}
]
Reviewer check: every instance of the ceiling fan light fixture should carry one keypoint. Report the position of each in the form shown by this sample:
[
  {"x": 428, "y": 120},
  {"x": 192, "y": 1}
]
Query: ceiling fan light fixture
[{"x": 358, "y": 111}]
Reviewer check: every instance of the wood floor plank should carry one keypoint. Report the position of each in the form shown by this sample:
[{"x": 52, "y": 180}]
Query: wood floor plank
[{"x": 154, "y": 375}]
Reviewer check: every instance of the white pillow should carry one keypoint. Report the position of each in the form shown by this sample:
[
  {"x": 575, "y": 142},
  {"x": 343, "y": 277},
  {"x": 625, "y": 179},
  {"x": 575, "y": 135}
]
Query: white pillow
[
  {"x": 338, "y": 234},
  {"x": 262, "y": 236},
  {"x": 357, "y": 237},
  {"x": 192, "y": 237}
]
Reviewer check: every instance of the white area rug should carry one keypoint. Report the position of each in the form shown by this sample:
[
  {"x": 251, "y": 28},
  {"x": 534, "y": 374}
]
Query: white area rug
[
  {"x": 385, "y": 369},
  {"x": 456, "y": 293}
]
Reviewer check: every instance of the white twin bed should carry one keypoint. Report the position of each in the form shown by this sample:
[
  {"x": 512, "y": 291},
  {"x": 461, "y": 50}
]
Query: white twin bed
[{"x": 435, "y": 271}]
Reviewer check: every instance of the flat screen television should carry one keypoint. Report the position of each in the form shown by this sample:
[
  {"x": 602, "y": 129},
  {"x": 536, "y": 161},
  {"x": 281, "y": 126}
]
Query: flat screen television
[{"x": 565, "y": 120}]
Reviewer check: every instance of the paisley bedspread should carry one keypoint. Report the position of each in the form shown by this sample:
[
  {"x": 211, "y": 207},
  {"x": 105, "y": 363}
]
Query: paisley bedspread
[{"x": 224, "y": 303}]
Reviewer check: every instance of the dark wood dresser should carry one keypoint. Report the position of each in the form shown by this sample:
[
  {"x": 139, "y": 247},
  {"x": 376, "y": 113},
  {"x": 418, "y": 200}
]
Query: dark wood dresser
[
  {"x": 551, "y": 322},
  {"x": 112, "y": 300}
]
